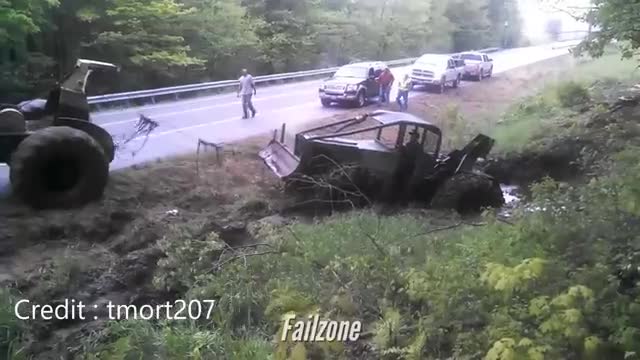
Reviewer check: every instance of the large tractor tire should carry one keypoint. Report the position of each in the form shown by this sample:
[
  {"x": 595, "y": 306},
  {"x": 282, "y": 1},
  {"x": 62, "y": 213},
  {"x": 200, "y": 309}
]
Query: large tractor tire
[
  {"x": 468, "y": 192},
  {"x": 59, "y": 167},
  {"x": 12, "y": 121}
]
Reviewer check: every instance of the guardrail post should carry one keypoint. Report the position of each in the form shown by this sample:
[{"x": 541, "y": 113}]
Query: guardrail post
[{"x": 153, "y": 100}]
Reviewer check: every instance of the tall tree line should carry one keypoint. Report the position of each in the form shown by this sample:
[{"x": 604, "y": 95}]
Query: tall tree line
[{"x": 170, "y": 42}]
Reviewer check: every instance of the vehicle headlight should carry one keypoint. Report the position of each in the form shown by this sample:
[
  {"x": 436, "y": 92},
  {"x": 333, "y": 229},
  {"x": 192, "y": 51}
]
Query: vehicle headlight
[{"x": 352, "y": 87}]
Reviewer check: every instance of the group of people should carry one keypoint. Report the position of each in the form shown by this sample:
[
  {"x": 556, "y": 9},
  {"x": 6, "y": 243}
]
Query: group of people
[
  {"x": 385, "y": 81},
  {"x": 247, "y": 90}
]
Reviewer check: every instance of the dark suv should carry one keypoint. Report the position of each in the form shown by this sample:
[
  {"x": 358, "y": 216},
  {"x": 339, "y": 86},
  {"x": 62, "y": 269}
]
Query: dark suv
[{"x": 352, "y": 84}]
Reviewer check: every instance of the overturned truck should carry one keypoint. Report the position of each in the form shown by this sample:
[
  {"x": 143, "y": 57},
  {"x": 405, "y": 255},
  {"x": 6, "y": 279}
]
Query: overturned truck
[{"x": 385, "y": 156}]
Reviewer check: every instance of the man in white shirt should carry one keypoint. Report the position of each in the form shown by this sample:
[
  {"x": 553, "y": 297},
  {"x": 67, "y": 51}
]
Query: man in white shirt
[{"x": 247, "y": 89}]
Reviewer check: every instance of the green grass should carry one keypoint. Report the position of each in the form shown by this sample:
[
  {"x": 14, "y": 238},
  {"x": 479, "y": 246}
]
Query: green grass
[
  {"x": 609, "y": 66},
  {"x": 11, "y": 328},
  {"x": 143, "y": 340},
  {"x": 533, "y": 117}
]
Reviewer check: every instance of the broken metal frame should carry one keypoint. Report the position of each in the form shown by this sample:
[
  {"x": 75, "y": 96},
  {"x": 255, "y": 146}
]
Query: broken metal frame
[
  {"x": 208, "y": 145},
  {"x": 144, "y": 126}
]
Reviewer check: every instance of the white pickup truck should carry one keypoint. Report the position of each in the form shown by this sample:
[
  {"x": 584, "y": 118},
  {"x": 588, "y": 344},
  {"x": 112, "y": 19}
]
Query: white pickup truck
[
  {"x": 477, "y": 65},
  {"x": 437, "y": 71}
]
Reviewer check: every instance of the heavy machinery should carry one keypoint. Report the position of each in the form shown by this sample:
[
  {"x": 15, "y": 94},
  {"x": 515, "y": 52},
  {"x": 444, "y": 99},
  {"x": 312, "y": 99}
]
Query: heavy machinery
[
  {"x": 370, "y": 151},
  {"x": 57, "y": 157}
]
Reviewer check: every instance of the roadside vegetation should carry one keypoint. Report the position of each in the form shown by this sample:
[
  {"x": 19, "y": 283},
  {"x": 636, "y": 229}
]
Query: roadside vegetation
[
  {"x": 591, "y": 83},
  {"x": 555, "y": 279}
]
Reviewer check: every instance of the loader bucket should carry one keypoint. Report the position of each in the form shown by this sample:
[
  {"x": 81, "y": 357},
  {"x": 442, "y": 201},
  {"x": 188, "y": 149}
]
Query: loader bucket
[
  {"x": 279, "y": 158},
  {"x": 479, "y": 147}
]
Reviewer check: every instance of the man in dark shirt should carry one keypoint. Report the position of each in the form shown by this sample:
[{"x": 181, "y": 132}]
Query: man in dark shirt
[
  {"x": 412, "y": 147},
  {"x": 408, "y": 155}
]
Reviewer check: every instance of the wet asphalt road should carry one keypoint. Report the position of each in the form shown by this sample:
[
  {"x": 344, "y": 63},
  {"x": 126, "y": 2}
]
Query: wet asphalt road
[{"x": 218, "y": 118}]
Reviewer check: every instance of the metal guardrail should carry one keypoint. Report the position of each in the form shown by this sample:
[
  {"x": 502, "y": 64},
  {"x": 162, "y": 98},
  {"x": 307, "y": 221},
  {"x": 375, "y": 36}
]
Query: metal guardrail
[{"x": 176, "y": 90}]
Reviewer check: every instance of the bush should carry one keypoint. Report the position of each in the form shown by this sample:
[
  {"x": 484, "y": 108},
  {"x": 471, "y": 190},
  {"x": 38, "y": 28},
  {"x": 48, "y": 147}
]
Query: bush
[{"x": 571, "y": 94}]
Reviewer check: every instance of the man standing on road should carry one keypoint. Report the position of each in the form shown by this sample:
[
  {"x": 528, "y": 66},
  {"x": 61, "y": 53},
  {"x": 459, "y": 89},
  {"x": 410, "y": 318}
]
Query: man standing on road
[
  {"x": 403, "y": 92},
  {"x": 247, "y": 89},
  {"x": 385, "y": 80}
]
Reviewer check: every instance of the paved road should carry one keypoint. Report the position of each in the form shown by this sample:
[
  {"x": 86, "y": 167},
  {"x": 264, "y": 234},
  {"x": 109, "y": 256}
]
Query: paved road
[{"x": 218, "y": 118}]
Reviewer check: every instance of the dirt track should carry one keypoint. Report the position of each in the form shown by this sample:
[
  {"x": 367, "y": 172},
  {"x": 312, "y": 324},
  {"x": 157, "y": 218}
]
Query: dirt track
[{"x": 107, "y": 251}]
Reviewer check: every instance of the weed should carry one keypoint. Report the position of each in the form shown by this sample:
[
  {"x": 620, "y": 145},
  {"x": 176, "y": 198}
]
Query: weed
[
  {"x": 186, "y": 258},
  {"x": 64, "y": 274},
  {"x": 572, "y": 94}
]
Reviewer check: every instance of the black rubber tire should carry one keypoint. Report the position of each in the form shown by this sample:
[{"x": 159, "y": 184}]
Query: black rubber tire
[
  {"x": 490, "y": 74},
  {"x": 59, "y": 167},
  {"x": 456, "y": 82},
  {"x": 442, "y": 87},
  {"x": 9, "y": 106},
  {"x": 325, "y": 103},
  {"x": 361, "y": 101},
  {"x": 480, "y": 75},
  {"x": 468, "y": 192},
  {"x": 12, "y": 121}
]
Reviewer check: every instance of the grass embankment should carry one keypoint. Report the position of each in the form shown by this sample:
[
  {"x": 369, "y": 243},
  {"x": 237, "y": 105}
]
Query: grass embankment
[
  {"x": 430, "y": 285},
  {"x": 546, "y": 113}
]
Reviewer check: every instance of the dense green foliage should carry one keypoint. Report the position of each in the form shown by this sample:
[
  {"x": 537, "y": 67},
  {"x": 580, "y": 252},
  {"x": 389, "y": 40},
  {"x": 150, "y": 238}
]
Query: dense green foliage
[{"x": 165, "y": 42}]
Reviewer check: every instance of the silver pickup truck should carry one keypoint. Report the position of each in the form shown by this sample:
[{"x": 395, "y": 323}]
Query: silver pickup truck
[
  {"x": 437, "y": 71},
  {"x": 477, "y": 65}
]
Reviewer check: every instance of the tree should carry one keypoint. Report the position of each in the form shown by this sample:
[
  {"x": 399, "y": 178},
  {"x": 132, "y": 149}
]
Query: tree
[
  {"x": 20, "y": 18},
  {"x": 220, "y": 33},
  {"x": 168, "y": 42},
  {"x": 506, "y": 24},
  {"x": 614, "y": 19},
  {"x": 21, "y": 64},
  {"x": 553, "y": 28},
  {"x": 285, "y": 29},
  {"x": 144, "y": 36},
  {"x": 472, "y": 27}
]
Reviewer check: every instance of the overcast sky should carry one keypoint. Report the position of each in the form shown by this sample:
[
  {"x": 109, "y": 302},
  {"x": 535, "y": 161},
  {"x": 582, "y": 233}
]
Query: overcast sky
[{"x": 535, "y": 16}]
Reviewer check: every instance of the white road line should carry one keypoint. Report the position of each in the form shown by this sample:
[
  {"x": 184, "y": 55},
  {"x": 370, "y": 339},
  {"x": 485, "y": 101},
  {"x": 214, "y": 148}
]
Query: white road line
[
  {"x": 173, "y": 131},
  {"x": 223, "y": 121},
  {"x": 184, "y": 111}
]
